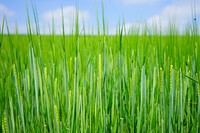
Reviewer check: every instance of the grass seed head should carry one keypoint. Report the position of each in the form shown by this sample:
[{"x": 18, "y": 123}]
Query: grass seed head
[
  {"x": 4, "y": 123},
  {"x": 161, "y": 80},
  {"x": 100, "y": 71},
  {"x": 171, "y": 74},
  {"x": 45, "y": 74}
]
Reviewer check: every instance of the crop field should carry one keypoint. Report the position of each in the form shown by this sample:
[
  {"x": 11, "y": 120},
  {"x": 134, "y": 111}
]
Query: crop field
[{"x": 133, "y": 82}]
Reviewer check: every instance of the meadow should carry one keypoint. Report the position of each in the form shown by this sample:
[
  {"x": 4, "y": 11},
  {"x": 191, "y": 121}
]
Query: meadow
[{"x": 100, "y": 83}]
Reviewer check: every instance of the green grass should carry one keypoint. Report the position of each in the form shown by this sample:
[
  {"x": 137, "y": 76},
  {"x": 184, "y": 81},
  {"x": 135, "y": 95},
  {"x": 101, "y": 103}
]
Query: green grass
[{"x": 99, "y": 83}]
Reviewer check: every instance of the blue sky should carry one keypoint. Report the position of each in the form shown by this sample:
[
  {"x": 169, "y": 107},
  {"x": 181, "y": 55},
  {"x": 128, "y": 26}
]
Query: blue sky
[{"x": 132, "y": 12}]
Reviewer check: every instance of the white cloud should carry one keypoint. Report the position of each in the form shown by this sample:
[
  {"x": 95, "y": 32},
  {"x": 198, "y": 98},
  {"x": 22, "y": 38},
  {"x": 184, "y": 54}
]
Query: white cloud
[
  {"x": 128, "y": 28},
  {"x": 179, "y": 12},
  {"x": 140, "y": 1},
  {"x": 132, "y": 27},
  {"x": 69, "y": 15},
  {"x": 5, "y": 11}
]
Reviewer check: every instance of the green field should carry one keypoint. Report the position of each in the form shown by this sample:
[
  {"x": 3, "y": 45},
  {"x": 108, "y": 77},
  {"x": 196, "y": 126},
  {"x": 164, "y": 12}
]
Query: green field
[{"x": 100, "y": 83}]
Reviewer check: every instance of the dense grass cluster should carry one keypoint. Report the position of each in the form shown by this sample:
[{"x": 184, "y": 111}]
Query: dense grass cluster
[{"x": 100, "y": 83}]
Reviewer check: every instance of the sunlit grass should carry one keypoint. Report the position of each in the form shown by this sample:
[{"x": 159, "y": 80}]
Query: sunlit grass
[{"x": 99, "y": 83}]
